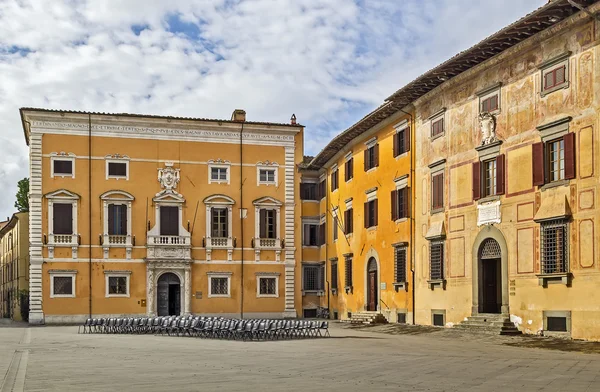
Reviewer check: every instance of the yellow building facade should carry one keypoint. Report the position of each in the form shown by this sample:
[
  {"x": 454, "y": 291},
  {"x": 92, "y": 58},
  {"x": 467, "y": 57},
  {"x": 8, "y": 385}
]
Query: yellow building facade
[
  {"x": 14, "y": 266},
  {"x": 150, "y": 215}
]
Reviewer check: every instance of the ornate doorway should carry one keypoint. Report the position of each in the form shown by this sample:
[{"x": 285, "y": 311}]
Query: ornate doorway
[
  {"x": 490, "y": 276},
  {"x": 372, "y": 300},
  {"x": 169, "y": 295}
]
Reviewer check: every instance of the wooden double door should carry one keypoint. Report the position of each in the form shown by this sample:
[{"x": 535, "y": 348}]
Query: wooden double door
[
  {"x": 169, "y": 295},
  {"x": 372, "y": 297}
]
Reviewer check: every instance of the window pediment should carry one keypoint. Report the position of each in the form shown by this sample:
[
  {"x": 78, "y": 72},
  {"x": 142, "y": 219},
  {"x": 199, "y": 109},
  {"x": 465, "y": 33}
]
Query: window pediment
[
  {"x": 117, "y": 195},
  {"x": 267, "y": 201},
  {"x": 168, "y": 197},
  {"x": 62, "y": 194},
  {"x": 219, "y": 199}
]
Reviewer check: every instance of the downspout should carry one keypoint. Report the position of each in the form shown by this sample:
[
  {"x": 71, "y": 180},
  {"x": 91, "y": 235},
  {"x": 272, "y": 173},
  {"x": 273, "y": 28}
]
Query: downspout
[
  {"x": 242, "y": 220},
  {"x": 412, "y": 214},
  {"x": 90, "y": 206},
  {"x": 326, "y": 247}
]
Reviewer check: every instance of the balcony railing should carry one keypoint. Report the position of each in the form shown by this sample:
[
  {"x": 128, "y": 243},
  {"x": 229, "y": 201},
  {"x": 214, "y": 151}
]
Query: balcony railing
[
  {"x": 170, "y": 240},
  {"x": 267, "y": 243},
  {"x": 63, "y": 239},
  {"x": 117, "y": 240},
  {"x": 219, "y": 242}
]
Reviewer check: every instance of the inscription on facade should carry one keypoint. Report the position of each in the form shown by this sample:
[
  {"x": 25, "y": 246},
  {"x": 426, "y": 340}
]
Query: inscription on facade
[{"x": 488, "y": 213}]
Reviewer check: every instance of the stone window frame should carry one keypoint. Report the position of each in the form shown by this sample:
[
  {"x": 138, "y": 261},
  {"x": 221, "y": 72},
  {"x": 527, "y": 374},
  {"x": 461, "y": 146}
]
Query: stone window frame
[
  {"x": 400, "y": 246},
  {"x": 62, "y": 156},
  {"x": 436, "y": 168},
  {"x": 561, "y": 277},
  {"x": 62, "y": 196},
  {"x": 267, "y": 275},
  {"x": 334, "y": 173},
  {"x": 348, "y": 272},
  {"x": 402, "y": 183},
  {"x": 348, "y": 161},
  {"x": 403, "y": 126},
  {"x": 557, "y": 313},
  {"x": 117, "y": 274},
  {"x": 320, "y": 278},
  {"x": 438, "y": 312},
  {"x": 270, "y": 166},
  {"x": 335, "y": 212},
  {"x": 117, "y": 159},
  {"x": 117, "y": 198},
  {"x": 488, "y": 92},
  {"x": 222, "y": 275},
  {"x": 549, "y": 66},
  {"x": 549, "y": 133},
  {"x": 370, "y": 144},
  {"x": 63, "y": 274},
  {"x": 219, "y": 164},
  {"x": 435, "y": 117},
  {"x": 313, "y": 221},
  {"x": 371, "y": 196}
]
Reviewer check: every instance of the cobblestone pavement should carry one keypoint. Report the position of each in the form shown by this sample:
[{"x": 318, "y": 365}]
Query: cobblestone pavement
[{"x": 58, "y": 359}]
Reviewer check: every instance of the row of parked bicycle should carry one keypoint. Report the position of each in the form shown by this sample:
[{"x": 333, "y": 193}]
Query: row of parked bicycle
[{"x": 209, "y": 327}]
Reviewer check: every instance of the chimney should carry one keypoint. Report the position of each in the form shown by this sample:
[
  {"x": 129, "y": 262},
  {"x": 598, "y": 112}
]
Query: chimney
[
  {"x": 238, "y": 115},
  {"x": 293, "y": 119}
]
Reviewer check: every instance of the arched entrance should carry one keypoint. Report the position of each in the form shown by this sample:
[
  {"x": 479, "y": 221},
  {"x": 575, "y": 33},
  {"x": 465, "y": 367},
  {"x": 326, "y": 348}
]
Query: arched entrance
[
  {"x": 372, "y": 298},
  {"x": 169, "y": 295},
  {"x": 490, "y": 281},
  {"x": 490, "y": 272}
]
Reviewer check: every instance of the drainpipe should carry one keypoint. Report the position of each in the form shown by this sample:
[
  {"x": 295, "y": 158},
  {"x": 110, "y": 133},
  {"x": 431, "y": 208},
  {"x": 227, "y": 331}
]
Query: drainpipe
[
  {"x": 90, "y": 206},
  {"x": 242, "y": 220},
  {"x": 412, "y": 215}
]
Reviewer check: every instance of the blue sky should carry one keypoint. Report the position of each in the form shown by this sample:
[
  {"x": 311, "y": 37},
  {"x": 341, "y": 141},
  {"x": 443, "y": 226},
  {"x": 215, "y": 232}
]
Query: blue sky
[{"x": 328, "y": 61}]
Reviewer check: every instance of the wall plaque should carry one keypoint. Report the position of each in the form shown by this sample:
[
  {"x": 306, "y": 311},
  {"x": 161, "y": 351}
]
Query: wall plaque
[{"x": 488, "y": 213}]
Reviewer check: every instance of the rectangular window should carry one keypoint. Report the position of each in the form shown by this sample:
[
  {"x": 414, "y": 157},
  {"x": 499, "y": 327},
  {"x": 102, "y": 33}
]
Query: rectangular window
[
  {"x": 349, "y": 169},
  {"x": 267, "y": 286},
  {"x": 400, "y": 203},
  {"x": 117, "y": 219},
  {"x": 63, "y": 286},
  {"x": 117, "y": 285},
  {"x": 218, "y": 174},
  {"x": 311, "y": 235},
  {"x": 371, "y": 213},
  {"x": 63, "y": 167},
  {"x": 334, "y": 275},
  {"x": 556, "y": 160},
  {"x": 309, "y": 191},
  {"x": 313, "y": 278},
  {"x": 436, "y": 260},
  {"x": 117, "y": 169},
  {"x": 554, "y": 77},
  {"x": 554, "y": 247},
  {"x": 348, "y": 221},
  {"x": 437, "y": 127},
  {"x": 334, "y": 180},
  {"x": 372, "y": 157},
  {"x": 169, "y": 220},
  {"x": 322, "y": 190},
  {"x": 400, "y": 264},
  {"x": 489, "y": 177},
  {"x": 489, "y": 104},
  {"x": 437, "y": 191},
  {"x": 348, "y": 272},
  {"x": 219, "y": 223},
  {"x": 219, "y": 286},
  {"x": 267, "y": 176},
  {"x": 268, "y": 224},
  {"x": 401, "y": 142},
  {"x": 62, "y": 218}
]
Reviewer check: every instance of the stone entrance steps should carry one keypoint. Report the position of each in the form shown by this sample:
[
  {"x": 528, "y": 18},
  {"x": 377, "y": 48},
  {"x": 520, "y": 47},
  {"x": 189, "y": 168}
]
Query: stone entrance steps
[
  {"x": 497, "y": 324},
  {"x": 366, "y": 318}
]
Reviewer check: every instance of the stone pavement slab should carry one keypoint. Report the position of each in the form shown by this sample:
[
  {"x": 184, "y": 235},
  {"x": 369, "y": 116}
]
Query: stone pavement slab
[{"x": 58, "y": 359}]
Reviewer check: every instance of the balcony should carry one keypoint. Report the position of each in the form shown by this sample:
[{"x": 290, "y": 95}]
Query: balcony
[
  {"x": 219, "y": 242},
  {"x": 267, "y": 243},
  {"x": 170, "y": 247},
  {"x": 174, "y": 240},
  {"x": 63, "y": 240}
]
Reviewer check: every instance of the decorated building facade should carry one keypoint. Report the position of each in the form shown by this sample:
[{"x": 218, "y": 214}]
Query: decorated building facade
[{"x": 14, "y": 267}]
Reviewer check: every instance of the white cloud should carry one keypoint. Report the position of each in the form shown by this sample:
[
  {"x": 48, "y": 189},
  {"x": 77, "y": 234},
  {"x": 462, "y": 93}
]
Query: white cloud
[{"x": 328, "y": 61}]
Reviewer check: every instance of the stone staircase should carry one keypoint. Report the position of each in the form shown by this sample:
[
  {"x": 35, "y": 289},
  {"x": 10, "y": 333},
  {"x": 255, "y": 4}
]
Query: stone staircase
[
  {"x": 366, "y": 318},
  {"x": 497, "y": 324}
]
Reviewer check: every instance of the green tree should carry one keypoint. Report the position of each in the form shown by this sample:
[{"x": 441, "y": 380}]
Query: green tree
[{"x": 22, "y": 203}]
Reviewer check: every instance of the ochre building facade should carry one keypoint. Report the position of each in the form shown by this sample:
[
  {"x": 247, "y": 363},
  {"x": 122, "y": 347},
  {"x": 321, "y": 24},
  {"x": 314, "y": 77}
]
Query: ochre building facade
[{"x": 14, "y": 267}]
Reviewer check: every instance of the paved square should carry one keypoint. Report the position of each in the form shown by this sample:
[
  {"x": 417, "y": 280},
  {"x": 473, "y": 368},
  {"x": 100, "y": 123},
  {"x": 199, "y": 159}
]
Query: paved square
[{"x": 58, "y": 359}]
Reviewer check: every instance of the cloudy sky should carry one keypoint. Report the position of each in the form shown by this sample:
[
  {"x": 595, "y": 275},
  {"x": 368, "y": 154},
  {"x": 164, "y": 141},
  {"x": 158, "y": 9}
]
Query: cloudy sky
[{"x": 328, "y": 61}]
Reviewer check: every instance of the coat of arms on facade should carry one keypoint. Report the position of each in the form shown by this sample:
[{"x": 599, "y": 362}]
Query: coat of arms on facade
[
  {"x": 168, "y": 178},
  {"x": 487, "y": 124}
]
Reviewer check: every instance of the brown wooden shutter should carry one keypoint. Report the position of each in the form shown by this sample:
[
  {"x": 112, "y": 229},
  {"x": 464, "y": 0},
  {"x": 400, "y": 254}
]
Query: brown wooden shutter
[
  {"x": 337, "y": 178},
  {"x": 262, "y": 222},
  {"x": 407, "y": 139},
  {"x": 366, "y": 154},
  {"x": 111, "y": 219},
  {"x": 394, "y": 205},
  {"x": 332, "y": 182},
  {"x": 405, "y": 210},
  {"x": 274, "y": 213},
  {"x": 346, "y": 225},
  {"x": 62, "y": 219},
  {"x": 322, "y": 234},
  {"x": 537, "y": 154},
  {"x": 306, "y": 239},
  {"x": 476, "y": 180},
  {"x": 569, "y": 140},
  {"x": 366, "y": 215},
  {"x": 375, "y": 211},
  {"x": 500, "y": 165},
  {"x": 123, "y": 216},
  {"x": 303, "y": 192},
  {"x": 169, "y": 220},
  {"x": 396, "y": 149},
  {"x": 376, "y": 155},
  {"x": 351, "y": 164}
]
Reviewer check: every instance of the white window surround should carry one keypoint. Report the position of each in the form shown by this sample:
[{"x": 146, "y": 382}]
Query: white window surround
[
  {"x": 219, "y": 163},
  {"x": 62, "y": 274},
  {"x": 348, "y": 156},
  {"x": 117, "y": 274},
  {"x": 435, "y": 117},
  {"x": 402, "y": 125},
  {"x": 371, "y": 142},
  {"x": 225, "y": 275},
  {"x": 267, "y": 203},
  {"x": 490, "y": 92},
  {"x": 348, "y": 203},
  {"x": 116, "y": 198},
  {"x": 401, "y": 182},
  {"x": 550, "y": 65},
  {"x": 314, "y": 221},
  {"x": 117, "y": 159},
  {"x": 267, "y": 165},
  {"x": 62, "y": 156},
  {"x": 62, "y": 196},
  {"x": 267, "y": 275},
  {"x": 219, "y": 201},
  {"x": 371, "y": 194}
]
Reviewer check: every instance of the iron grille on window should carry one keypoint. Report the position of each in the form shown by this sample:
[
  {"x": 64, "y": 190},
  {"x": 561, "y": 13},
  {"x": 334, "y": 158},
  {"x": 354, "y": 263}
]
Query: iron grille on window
[
  {"x": 312, "y": 280},
  {"x": 348, "y": 272},
  {"x": 267, "y": 286},
  {"x": 334, "y": 275},
  {"x": 490, "y": 250},
  {"x": 117, "y": 285},
  {"x": 554, "y": 247},
  {"x": 63, "y": 285},
  {"x": 436, "y": 258},
  {"x": 400, "y": 264},
  {"x": 219, "y": 286}
]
